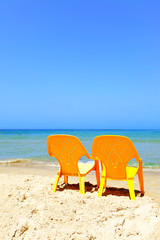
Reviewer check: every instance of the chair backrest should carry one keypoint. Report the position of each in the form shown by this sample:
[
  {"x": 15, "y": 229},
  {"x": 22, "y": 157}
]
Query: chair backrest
[
  {"x": 67, "y": 150},
  {"x": 114, "y": 152}
]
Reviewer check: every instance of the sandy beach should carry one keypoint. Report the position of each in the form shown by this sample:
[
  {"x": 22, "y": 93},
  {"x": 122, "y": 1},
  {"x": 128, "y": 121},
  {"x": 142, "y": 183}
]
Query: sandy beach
[
  {"x": 30, "y": 210},
  {"x": 79, "y": 84}
]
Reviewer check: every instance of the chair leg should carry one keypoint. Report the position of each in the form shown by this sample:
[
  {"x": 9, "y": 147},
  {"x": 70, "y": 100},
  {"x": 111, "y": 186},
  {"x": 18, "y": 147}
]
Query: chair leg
[
  {"x": 97, "y": 173},
  {"x": 103, "y": 180},
  {"x": 131, "y": 189},
  {"x": 56, "y": 181},
  {"x": 101, "y": 186},
  {"x": 65, "y": 179},
  {"x": 141, "y": 183},
  {"x": 82, "y": 185},
  {"x": 80, "y": 188},
  {"x": 105, "y": 183}
]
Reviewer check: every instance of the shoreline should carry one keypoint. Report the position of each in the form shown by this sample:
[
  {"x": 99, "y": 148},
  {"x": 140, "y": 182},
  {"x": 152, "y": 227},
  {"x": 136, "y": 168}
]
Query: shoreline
[{"x": 52, "y": 164}]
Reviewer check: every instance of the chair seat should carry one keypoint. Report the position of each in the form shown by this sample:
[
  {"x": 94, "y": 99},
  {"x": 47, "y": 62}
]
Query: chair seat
[
  {"x": 131, "y": 172},
  {"x": 85, "y": 168}
]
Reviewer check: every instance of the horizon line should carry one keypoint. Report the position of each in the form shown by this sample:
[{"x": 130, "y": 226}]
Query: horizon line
[{"x": 79, "y": 129}]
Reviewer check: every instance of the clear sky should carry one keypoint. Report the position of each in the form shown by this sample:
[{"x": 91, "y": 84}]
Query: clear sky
[{"x": 80, "y": 64}]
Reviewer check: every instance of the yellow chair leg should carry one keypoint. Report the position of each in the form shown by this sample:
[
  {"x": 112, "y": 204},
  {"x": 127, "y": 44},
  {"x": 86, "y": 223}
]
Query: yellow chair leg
[
  {"x": 56, "y": 181},
  {"x": 131, "y": 189},
  {"x": 101, "y": 186},
  {"x": 65, "y": 179},
  {"x": 82, "y": 185},
  {"x": 103, "y": 180}
]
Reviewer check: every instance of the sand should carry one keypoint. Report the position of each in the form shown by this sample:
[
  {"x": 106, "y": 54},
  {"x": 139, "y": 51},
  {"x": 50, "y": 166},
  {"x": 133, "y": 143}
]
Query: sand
[{"x": 30, "y": 210}]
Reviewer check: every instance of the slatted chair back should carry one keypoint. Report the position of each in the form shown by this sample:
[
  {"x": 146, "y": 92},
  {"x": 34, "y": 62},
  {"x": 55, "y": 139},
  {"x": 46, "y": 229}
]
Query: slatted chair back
[
  {"x": 67, "y": 150},
  {"x": 114, "y": 152}
]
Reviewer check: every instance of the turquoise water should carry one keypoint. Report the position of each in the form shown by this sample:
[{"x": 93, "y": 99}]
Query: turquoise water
[{"x": 30, "y": 145}]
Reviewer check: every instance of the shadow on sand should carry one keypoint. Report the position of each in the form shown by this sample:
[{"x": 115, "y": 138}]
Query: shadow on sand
[{"x": 92, "y": 188}]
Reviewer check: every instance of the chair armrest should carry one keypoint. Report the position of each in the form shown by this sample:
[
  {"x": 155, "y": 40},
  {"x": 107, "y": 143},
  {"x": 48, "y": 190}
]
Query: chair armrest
[
  {"x": 140, "y": 164},
  {"x": 89, "y": 157},
  {"x": 139, "y": 160},
  {"x": 94, "y": 158}
]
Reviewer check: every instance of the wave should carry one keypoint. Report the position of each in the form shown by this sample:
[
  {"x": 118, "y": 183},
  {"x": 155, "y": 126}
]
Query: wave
[
  {"x": 55, "y": 164},
  {"x": 17, "y": 160},
  {"x": 28, "y": 162}
]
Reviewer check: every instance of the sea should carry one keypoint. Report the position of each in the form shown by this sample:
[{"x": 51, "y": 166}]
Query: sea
[{"x": 29, "y": 147}]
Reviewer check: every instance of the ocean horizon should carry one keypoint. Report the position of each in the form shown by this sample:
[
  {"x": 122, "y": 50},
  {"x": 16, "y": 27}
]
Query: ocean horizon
[{"x": 29, "y": 145}]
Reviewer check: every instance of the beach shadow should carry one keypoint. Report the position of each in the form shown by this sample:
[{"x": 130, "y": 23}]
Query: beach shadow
[
  {"x": 88, "y": 187},
  {"x": 120, "y": 192}
]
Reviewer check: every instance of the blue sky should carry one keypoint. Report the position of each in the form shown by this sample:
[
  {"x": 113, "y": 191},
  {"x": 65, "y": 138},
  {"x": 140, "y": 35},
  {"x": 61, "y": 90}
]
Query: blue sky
[{"x": 80, "y": 64}]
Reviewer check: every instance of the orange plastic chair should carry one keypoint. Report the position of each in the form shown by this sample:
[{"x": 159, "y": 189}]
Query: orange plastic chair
[
  {"x": 115, "y": 152},
  {"x": 68, "y": 150}
]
